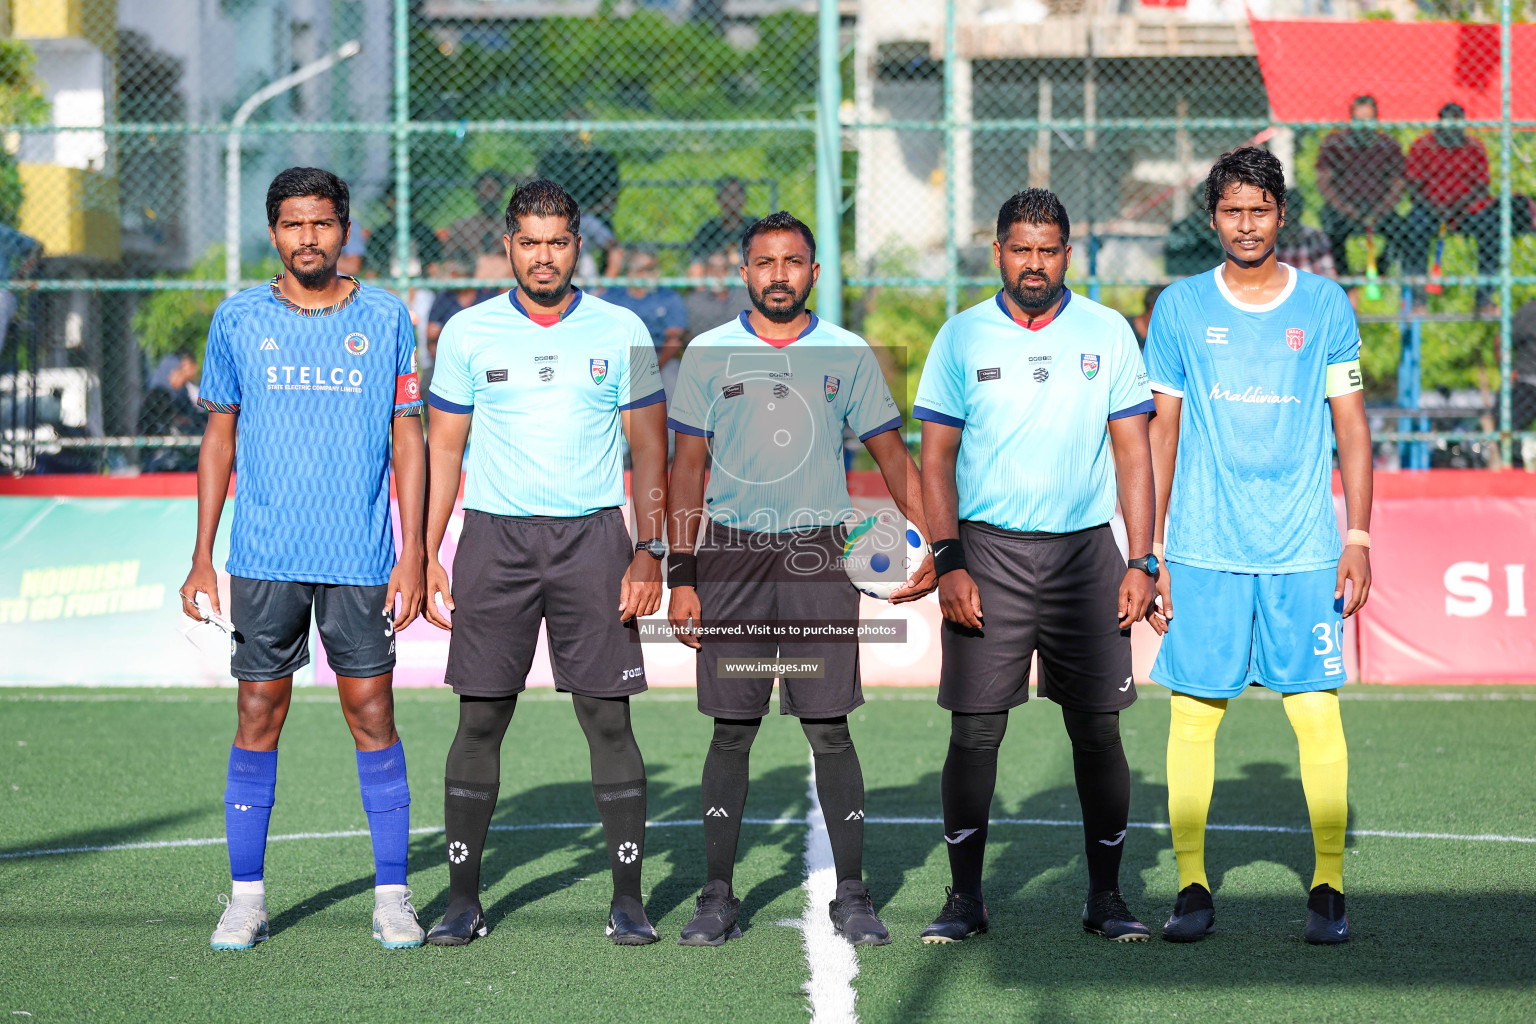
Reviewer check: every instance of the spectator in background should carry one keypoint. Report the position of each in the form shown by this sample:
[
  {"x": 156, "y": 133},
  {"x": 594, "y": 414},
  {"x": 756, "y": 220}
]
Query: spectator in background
[
  {"x": 1360, "y": 174},
  {"x": 708, "y": 306},
  {"x": 19, "y": 255},
  {"x": 1448, "y": 178},
  {"x": 379, "y": 256},
  {"x": 661, "y": 309},
  {"x": 449, "y": 301},
  {"x": 169, "y": 409},
  {"x": 1522, "y": 391},
  {"x": 1141, "y": 321},
  {"x": 1191, "y": 247},
  {"x": 1301, "y": 245},
  {"x": 724, "y": 231},
  {"x": 481, "y": 231}
]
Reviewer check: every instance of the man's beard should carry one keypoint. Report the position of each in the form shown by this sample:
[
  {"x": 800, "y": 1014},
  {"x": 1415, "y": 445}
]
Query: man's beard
[
  {"x": 313, "y": 279},
  {"x": 549, "y": 294},
  {"x": 783, "y": 314},
  {"x": 1034, "y": 297}
]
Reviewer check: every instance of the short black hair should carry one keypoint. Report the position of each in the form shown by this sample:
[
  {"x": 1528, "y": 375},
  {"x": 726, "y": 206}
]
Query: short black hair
[
  {"x": 1033, "y": 206},
  {"x": 1248, "y": 165},
  {"x": 1150, "y": 297},
  {"x": 297, "y": 182},
  {"x": 1454, "y": 111},
  {"x": 1365, "y": 98},
  {"x": 542, "y": 198},
  {"x": 780, "y": 221}
]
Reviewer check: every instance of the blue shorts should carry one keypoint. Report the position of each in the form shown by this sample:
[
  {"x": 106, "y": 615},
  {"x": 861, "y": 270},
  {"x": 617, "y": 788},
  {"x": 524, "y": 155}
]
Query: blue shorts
[{"x": 1284, "y": 631}]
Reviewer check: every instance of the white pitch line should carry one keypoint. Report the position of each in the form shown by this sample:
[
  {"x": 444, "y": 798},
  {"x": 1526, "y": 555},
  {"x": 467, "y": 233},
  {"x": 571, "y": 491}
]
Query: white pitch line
[
  {"x": 167, "y": 844},
  {"x": 831, "y": 960}
]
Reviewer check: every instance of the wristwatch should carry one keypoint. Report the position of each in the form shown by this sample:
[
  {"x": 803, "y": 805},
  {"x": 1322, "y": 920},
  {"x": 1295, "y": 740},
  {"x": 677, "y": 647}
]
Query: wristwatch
[
  {"x": 657, "y": 548},
  {"x": 1148, "y": 565}
]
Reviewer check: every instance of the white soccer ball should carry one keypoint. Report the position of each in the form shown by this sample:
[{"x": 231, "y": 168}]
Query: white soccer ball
[{"x": 881, "y": 554}]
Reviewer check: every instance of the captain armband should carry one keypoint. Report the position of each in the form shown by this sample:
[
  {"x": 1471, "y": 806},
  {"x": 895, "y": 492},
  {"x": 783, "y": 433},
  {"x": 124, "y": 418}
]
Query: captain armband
[{"x": 1344, "y": 378}]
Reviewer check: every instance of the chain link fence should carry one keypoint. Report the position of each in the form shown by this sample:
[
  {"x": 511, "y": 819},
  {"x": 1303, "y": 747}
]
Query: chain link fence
[{"x": 895, "y": 127}]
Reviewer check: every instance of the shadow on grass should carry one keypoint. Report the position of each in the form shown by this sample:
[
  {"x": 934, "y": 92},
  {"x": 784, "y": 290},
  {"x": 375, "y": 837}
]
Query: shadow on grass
[{"x": 80, "y": 842}]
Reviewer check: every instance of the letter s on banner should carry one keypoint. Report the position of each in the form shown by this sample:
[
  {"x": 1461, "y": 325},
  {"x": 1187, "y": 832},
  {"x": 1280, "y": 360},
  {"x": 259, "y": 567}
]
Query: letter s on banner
[{"x": 1465, "y": 596}]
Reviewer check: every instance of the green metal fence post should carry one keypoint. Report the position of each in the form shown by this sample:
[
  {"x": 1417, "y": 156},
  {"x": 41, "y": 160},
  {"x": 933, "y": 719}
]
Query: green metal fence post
[
  {"x": 1506, "y": 239},
  {"x": 951, "y": 249},
  {"x": 402, "y": 130},
  {"x": 829, "y": 167}
]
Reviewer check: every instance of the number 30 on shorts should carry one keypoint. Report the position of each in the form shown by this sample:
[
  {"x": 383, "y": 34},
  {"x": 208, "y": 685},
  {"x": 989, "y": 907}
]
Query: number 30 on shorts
[{"x": 1330, "y": 646}]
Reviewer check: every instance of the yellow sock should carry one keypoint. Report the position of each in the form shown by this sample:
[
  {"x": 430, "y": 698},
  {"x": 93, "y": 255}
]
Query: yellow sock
[
  {"x": 1191, "y": 774},
  {"x": 1324, "y": 778}
]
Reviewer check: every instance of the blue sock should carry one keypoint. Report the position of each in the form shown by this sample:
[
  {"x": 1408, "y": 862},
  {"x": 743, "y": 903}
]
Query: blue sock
[
  {"x": 248, "y": 799},
  {"x": 387, "y": 802}
]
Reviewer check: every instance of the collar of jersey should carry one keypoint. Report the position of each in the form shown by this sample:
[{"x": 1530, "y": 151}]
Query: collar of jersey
[
  {"x": 1248, "y": 307},
  {"x": 746, "y": 325},
  {"x": 294, "y": 307},
  {"x": 575, "y": 301},
  {"x": 1066, "y": 297}
]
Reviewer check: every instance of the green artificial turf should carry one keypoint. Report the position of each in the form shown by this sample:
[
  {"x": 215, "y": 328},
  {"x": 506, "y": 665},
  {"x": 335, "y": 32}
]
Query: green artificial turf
[{"x": 1442, "y": 927}]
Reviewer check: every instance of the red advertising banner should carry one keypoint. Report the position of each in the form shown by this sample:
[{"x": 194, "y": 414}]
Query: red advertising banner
[{"x": 1450, "y": 600}]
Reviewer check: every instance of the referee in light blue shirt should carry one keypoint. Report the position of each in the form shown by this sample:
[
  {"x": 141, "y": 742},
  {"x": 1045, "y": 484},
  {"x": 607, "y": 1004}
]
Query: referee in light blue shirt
[{"x": 1033, "y": 403}]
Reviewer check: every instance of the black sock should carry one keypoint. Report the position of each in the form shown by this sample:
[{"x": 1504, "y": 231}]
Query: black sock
[
  {"x": 723, "y": 794},
  {"x": 969, "y": 778},
  {"x": 618, "y": 786},
  {"x": 1103, "y": 790},
  {"x": 840, "y": 788},
  {"x": 472, "y": 782}
]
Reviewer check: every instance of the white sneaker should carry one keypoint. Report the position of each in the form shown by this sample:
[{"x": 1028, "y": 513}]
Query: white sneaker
[
  {"x": 243, "y": 924},
  {"x": 394, "y": 921}
]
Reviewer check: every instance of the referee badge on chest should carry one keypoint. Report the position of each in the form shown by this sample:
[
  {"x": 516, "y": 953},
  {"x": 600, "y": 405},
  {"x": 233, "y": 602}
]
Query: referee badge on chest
[
  {"x": 1090, "y": 365},
  {"x": 832, "y": 384},
  {"x": 599, "y": 369}
]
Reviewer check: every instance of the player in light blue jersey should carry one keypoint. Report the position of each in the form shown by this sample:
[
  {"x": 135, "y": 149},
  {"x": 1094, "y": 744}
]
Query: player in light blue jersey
[
  {"x": 1035, "y": 409},
  {"x": 766, "y": 397},
  {"x": 319, "y": 371},
  {"x": 554, "y": 380},
  {"x": 1250, "y": 362}
]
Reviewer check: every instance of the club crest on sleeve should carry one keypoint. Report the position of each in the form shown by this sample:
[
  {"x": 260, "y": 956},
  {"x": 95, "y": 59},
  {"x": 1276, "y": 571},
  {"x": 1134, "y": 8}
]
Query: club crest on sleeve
[
  {"x": 599, "y": 370},
  {"x": 356, "y": 343},
  {"x": 832, "y": 384},
  {"x": 1295, "y": 337},
  {"x": 1090, "y": 365}
]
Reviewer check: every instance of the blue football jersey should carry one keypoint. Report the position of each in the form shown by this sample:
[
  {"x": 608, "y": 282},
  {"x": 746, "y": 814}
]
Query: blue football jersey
[
  {"x": 317, "y": 391},
  {"x": 1252, "y": 485}
]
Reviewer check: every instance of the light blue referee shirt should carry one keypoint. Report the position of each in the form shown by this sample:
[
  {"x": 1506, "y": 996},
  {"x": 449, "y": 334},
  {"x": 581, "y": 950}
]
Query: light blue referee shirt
[
  {"x": 774, "y": 413},
  {"x": 1252, "y": 489},
  {"x": 548, "y": 439},
  {"x": 1035, "y": 407}
]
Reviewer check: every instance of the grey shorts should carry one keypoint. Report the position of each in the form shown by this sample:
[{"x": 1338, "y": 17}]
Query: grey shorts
[
  {"x": 1058, "y": 593},
  {"x": 766, "y": 577},
  {"x": 272, "y": 620},
  {"x": 510, "y": 573}
]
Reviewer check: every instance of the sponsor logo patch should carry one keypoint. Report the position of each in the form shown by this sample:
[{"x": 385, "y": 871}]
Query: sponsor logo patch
[
  {"x": 990, "y": 373},
  {"x": 495, "y": 376},
  {"x": 1041, "y": 374},
  {"x": 268, "y": 345},
  {"x": 781, "y": 391},
  {"x": 733, "y": 391},
  {"x": 1216, "y": 335},
  {"x": 546, "y": 373}
]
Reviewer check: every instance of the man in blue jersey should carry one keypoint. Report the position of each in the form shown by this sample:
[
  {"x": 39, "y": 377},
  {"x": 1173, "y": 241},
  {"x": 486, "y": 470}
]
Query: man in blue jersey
[
  {"x": 554, "y": 380},
  {"x": 1249, "y": 362},
  {"x": 1035, "y": 405},
  {"x": 319, "y": 371},
  {"x": 765, "y": 397}
]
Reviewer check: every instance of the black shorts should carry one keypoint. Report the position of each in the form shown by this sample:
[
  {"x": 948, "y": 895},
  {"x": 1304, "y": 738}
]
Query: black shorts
[
  {"x": 272, "y": 620},
  {"x": 773, "y": 577},
  {"x": 510, "y": 572},
  {"x": 1058, "y": 593}
]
